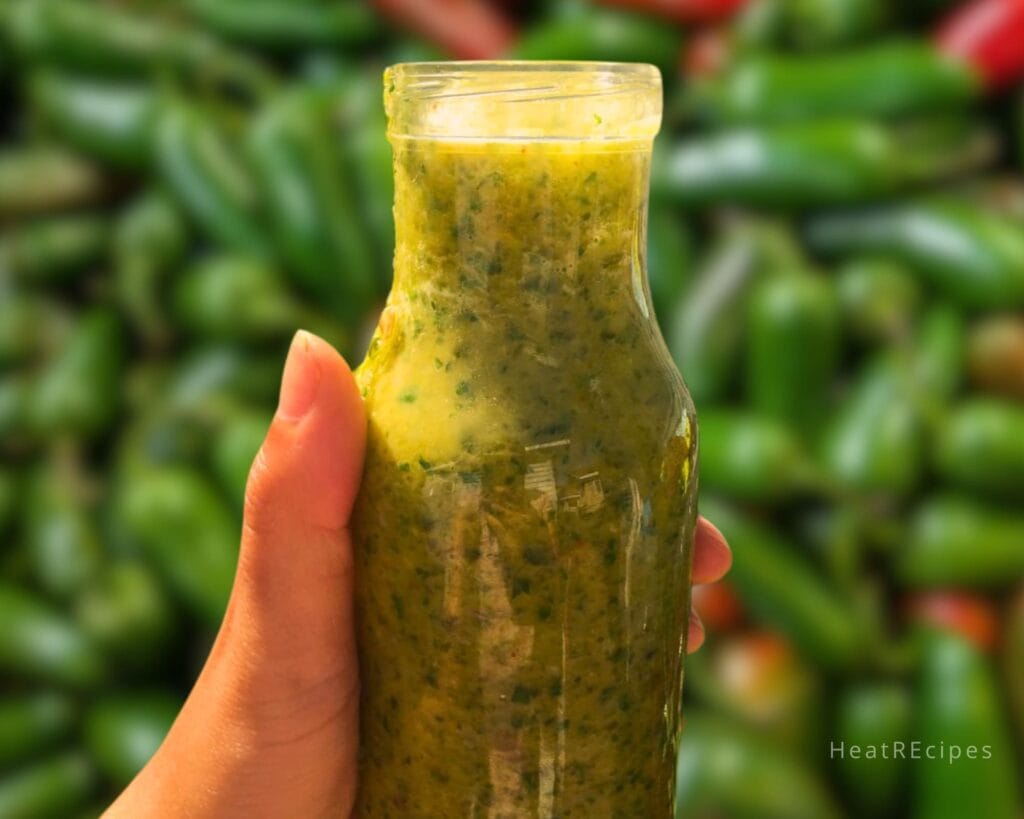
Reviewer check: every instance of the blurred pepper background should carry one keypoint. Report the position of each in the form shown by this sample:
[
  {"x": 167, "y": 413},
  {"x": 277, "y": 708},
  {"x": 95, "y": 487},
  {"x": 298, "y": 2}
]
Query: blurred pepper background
[{"x": 836, "y": 254}]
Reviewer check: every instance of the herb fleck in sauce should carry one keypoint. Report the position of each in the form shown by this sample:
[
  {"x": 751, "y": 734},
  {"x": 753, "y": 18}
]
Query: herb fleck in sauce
[{"x": 524, "y": 527}]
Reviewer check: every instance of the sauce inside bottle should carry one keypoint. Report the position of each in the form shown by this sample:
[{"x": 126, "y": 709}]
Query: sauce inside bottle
[{"x": 524, "y": 528}]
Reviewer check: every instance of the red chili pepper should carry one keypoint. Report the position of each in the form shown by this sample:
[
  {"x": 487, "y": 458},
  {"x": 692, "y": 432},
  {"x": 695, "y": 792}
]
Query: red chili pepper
[
  {"x": 706, "y": 53},
  {"x": 687, "y": 11},
  {"x": 970, "y": 616},
  {"x": 756, "y": 670},
  {"x": 718, "y": 606},
  {"x": 988, "y": 34},
  {"x": 467, "y": 29}
]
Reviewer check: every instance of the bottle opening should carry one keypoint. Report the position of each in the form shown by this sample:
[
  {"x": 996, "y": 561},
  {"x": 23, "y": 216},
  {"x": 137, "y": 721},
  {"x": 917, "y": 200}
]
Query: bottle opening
[{"x": 523, "y": 101}]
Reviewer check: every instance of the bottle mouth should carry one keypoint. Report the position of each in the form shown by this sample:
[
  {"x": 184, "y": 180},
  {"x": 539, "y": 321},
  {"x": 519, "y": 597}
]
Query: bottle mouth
[{"x": 523, "y": 100}]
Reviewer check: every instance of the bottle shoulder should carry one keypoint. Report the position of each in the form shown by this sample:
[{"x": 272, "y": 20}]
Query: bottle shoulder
[{"x": 423, "y": 405}]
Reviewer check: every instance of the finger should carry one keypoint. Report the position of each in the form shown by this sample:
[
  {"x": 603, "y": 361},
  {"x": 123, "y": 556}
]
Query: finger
[
  {"x": 308, "y": 469},
  {"x": 695, "y": 635},
  {"x": 294, "y": 584},
  {"x": 292, "y": 600},
  {"x": 279, "y": 691},
  {"x": 294, "y": 570},
  {"x": 712, "y": 556}
]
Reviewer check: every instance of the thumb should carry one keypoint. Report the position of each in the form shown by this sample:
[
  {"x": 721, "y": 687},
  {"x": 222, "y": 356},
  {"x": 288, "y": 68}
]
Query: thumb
[
  {"x": 293, "y": 586},
  {"x": 271, "y": 726}
]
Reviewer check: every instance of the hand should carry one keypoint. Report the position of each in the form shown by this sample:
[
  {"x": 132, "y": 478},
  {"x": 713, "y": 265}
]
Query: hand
[{"x": 271, "y": 726}]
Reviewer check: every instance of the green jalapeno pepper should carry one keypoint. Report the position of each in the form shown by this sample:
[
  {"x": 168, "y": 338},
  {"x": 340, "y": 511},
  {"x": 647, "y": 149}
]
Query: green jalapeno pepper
[
  {"x": 110, "y": 40},
  {"x": 216, "y": 373},
  {"x": 78, "y": 394},
  {"x": 600, "y": 34},
  {"x": 810, "y": 25},
  {"x": 830, "y": 162},
  {"x": 753, "y": 458},
  {"x": 938, "y": 353},
  {"x": 901, "y": 77},
  {"x": 787, "y": 594},
  {"x": 234, "y": 449},
  {"x": 33, "y": 723},
  {"x": 360, "y": 111},
  {"x": 980, "y": 448},
  {"x": 150, "y": 238},
  {"x": 38, "y": 644},
  {"x": 113, "y": 122},
  {"x": 126, "y": 611},
  {"x": 50, "y": 788},
  {"x": 958, "y": 541},
  {"x": 1013, "y": 663},
  {"x": 60, "y": 536},
  {"x": 793, "y": 348},
  {"x": 669, "y": 259},
  {"x": 53, "y": 250},
  {"x": 122, "y": 732},
  {"x": 874, "y": 726},
  {"x": 973, "y": 257},
  {"x": 177, "y": 520},
  {"x": 879, "y": 298},
  {"x": 966, "y": 762},
  {"x": 875, "y": 441},
  {"x": 198, "y": 165},
  {"x": 725, "y": 770},
  {"x": 705, "y": 329},
  {"x": 280, "y": 25},
  {"x": 306, "y": 185},
  {"x": 235, "y": 298}
]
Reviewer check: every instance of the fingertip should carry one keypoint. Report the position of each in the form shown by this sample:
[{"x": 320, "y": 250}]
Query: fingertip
[
  {"x": 340, "y": 380},
  {"x": 712, "y": 557},
  {"x": 308, "y": 469},
  {"x": 300, "y": 379},
  {"x": 707, "y": 531},
  {"x": 334, "y": 433},
  {"x": 696, "y": 634}
]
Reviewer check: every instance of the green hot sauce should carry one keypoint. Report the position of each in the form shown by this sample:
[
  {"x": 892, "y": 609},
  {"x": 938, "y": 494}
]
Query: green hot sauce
[{"x": 524, "y": 529}]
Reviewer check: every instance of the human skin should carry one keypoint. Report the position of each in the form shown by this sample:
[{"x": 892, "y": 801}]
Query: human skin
[{"x": 271, "y": 726}]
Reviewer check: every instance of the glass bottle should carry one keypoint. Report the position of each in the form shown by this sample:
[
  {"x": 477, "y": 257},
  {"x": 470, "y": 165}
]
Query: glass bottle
[{"x": 524, "y": 529}]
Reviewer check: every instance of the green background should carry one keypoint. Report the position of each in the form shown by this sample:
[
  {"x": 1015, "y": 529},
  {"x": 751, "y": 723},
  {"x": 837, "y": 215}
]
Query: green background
[{"x": 836, "y": 257}]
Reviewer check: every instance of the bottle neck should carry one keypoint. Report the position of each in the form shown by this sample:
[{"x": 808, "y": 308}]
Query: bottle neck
[{"x": 543, "y": 230}]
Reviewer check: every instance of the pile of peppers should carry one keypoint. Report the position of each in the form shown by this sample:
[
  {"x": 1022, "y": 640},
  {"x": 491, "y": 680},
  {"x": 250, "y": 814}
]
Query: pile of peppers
[{"x": 836, "y": 255}]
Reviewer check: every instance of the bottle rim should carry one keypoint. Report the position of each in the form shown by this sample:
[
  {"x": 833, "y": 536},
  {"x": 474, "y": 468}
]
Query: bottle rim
[{"x": 515, "y": 100}]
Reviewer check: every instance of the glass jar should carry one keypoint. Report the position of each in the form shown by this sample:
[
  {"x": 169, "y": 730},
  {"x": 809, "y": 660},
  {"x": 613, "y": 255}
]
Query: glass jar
[{"x": 524, "y": 529}]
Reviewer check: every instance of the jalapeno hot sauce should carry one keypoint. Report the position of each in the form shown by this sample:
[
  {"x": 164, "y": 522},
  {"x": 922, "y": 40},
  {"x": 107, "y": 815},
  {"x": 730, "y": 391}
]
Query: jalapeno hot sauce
[{"x": 524, "y": 529}]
